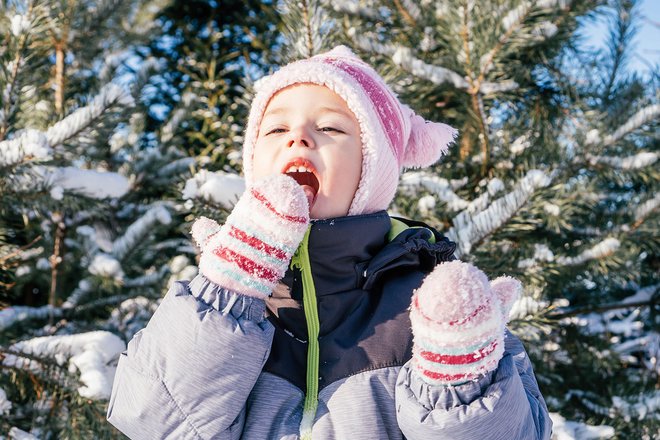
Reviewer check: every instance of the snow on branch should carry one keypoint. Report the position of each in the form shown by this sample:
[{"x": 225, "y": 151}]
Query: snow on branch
[
  {"x": 178, "y": 116},
  {"x": 218, "y": 187},
  {"x": 90, "y": 183},
  {"x": 412, "y": 181},
  {"x": 568, "y": 430},
  {"x": 13, "y": 314},
  {"x": 601, "y": 250},
  {"x": 29, "y": 144},
  {"x": 136, "y": 232},
  {"x": 646, "y": 406},
  {"x": 77, "y": 121},
  {"x": 469, "y": 229},
  {"x": 635, "y": 162},
  {"x": 177, "y": 166},
  {"x": 89, "y": 353},
  {"x": 354, "y": 8},
  {"x": 403, "y": 56},
  {"x": 412, "y": 9},
  {"x": 647, "y": 207},
  {"x": 640, "y": 118}
]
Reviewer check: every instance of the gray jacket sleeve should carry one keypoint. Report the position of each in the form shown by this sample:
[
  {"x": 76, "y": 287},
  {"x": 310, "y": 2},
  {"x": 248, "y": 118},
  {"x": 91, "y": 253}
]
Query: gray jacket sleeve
[
  {"x": 504, "y": 404},
  {"x": 188, "y": 373}
]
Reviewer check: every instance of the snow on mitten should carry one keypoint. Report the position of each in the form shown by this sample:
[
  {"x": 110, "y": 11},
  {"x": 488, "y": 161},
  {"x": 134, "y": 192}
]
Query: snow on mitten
[
  {"x": 251, "y": 251},
  {"x": 458, "y": 321}
]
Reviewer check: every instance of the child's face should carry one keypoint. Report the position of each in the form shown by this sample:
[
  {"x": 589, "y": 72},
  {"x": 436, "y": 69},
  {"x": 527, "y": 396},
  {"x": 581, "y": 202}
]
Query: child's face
[{"x": 309, "y": 133}]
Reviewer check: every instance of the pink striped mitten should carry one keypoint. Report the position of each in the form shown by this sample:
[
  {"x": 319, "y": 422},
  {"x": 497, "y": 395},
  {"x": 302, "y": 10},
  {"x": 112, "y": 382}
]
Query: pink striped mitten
[
  {"x": 458, "y": 320},
  {"x": 251, "y": 251}
]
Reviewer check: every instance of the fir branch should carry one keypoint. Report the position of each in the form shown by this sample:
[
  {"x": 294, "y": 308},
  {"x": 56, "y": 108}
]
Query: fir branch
[
  {"x": 80, "y": 119},
  {"x": 410, "y": 12},
  {"x": 601, "y": 250},
  {"x": 136, "y": 232},
  {"x": 468, "y": 229},
  {"x": 411, "y": 181},
  {"x": 354, "y": 8},
  {"x": 29, "y": 145},
  {"x": 14, "y": 314},
  {"x": 641, "y": 117},
  {"x": 634, "y": 162},
  {"x": 643, "y": 210},
  {"x": 307, "y": 26},
  {"x": 403, "y": 57},
  {"x": 148, "y": 279},
  {"x": 567, "y": 312},
  {"x": 17, "y": 252}
]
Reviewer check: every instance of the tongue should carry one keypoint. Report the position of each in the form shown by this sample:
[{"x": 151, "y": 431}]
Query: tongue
[{"x": 310, "y": 193}]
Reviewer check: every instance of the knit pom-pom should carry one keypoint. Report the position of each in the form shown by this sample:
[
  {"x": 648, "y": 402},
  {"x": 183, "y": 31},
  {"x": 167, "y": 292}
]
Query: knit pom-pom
[
  {"x": 508, "y": 290},
  {"x": 428, "y": 141}
]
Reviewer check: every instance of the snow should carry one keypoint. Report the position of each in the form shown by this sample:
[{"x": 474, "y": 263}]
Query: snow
[
  {"x": 442, "y": 188},
  {"x": 138, "y": 229},
  {"x": 28, "y": 144},
  {"x": 13, "y": 314},
  {"x": 601, "y": 250},
  {"x": 90, "y": 183},
  {"x": 108, "y": 96},
  {"x": 640, "y": 118},
  {"x": 5, "y": 404},
  {"x": 218, "y": 187},
  {"x": 647, "y": 406},
  {"x": 19, "y": 24},
  {"x": 563, "y": 429},
  {"x": 91, "y": 354},
  {"x": 106, "y": 265},
  {"x": 468, "y": 228},
  {"x": 552, "y": 209},
  {"x": 545, "y": 29},
  {"x": 132, "y": 315},
  {"x": 520, "y": 144},
  {"x": 637, "y": 161},
  {"x": 426, "y": 204},
  {"x": 18, "y": 434},
  {"x": 647, "y": 207}
]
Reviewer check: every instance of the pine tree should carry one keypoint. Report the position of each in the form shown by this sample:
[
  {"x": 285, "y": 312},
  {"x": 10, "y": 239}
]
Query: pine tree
[
  {"x": 85, "y": 226},
  {"x": 553, "y": 181}
]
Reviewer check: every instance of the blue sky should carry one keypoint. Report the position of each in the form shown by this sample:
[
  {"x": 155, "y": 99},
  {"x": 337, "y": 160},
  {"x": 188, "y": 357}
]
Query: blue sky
[{"x": 646, "y": 42}]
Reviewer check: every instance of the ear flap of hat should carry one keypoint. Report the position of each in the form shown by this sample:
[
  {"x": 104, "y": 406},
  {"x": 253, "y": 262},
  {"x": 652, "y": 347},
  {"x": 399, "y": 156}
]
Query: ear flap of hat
[
  {"x": 428, "y": 141},
  {"x": 508, "y": 290}
]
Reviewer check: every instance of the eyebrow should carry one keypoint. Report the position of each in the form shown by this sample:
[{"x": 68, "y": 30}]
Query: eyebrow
[{"x": 324, "y": 109}]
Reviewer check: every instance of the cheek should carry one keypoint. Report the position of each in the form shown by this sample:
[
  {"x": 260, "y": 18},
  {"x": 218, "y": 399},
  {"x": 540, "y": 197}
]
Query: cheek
[{"x": 262, "y": 160}]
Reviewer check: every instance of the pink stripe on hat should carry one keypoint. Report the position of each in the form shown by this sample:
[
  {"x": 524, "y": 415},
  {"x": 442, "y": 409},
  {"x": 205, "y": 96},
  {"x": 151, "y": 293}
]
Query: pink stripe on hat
[{"x": 389, "y": 112}]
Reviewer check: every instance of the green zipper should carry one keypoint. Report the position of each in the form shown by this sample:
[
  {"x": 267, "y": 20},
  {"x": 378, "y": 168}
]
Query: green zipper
[{"x": 301, "y": 260}]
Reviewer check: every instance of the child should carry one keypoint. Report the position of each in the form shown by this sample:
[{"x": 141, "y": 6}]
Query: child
[{"x": 304, "y": 329}]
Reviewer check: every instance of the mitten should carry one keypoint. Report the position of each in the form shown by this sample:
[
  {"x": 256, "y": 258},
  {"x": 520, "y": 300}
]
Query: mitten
[
  {"x": 458, "y": 320},
  {"x": 250, "y": 253}
]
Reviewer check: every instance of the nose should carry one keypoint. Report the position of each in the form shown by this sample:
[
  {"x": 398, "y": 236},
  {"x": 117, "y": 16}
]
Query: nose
[{"x": 300, "y": 137}]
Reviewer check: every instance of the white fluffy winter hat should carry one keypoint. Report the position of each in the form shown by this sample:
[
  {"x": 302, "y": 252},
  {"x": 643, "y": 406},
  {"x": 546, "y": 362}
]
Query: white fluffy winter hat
[{"x": 393, "y": 136}]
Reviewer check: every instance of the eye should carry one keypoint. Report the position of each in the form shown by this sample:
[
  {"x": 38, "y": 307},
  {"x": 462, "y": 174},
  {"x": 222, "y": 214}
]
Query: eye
[
  {"x": 276, "y": 131},
  {"x": 330, "y": 129}
]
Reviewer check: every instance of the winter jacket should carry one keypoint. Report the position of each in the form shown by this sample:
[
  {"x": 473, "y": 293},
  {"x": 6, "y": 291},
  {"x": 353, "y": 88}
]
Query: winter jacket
[{"x": 331, "y": 359}]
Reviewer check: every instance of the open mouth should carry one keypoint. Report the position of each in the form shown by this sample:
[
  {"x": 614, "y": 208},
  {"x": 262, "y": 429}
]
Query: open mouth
[{"x": 303, "y": 172}]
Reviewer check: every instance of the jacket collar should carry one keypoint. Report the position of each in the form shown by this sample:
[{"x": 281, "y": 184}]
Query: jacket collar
[
  {"x": 355, "y": 252},
  {"x": 340, "y": 248}
]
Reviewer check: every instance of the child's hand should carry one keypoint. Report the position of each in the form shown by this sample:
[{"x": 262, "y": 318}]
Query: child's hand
[
  {"x": 458, "y": 320},
  {"x": 251, "y": 252}
]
